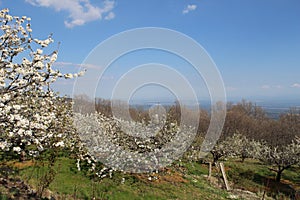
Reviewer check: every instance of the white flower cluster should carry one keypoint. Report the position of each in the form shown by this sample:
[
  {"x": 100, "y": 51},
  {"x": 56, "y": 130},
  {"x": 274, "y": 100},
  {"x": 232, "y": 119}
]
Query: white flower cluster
[
  {"x": 32, "y": 116},
  {"x": 283, "y": 157},
  {"x": 142, "y": 148}
]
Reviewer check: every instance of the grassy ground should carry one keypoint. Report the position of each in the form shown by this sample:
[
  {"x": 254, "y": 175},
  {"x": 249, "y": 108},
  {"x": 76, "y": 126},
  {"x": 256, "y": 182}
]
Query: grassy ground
[
  {"x": 256, "y": 177},
  {"x": 170, "y": 184},
  {"x": 180, "y": 181}
]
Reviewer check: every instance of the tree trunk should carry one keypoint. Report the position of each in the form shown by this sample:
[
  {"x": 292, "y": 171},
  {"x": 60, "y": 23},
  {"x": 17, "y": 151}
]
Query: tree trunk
[
  {"x": 22, "y": 156},
  {"x": 278, "y": 175},
  {"x": 243, "y": 159},
  {"x": 216, "y": 159}
]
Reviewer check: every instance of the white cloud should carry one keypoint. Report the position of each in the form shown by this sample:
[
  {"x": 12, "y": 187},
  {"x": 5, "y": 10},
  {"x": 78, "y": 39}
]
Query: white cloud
[
  {"x": 296, "y": 85},
  {"x": 69, "y": 64},
  {"x": 189, "y": 8},
  {"x": 265, "y": 87},
  {"x": 230, "y": 88},
  {"x": 110, "y": 16},
  {"x": 80, "y": 11}
]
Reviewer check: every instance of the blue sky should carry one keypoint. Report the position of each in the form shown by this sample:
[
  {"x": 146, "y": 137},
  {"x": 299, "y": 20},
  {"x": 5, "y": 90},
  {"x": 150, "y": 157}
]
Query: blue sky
[{"x": 254, "y": 43}]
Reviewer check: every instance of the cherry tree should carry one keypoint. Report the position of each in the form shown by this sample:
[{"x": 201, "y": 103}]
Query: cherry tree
[
  {"x": 243, "y": 147},
  {"x": 236, "y": 145},
  {"x": 222, "y": 149},
  {"x": 280, "y": 158},
  {"x": 32, "y": 116}
]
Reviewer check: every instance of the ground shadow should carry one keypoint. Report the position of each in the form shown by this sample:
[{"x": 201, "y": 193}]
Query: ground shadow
[{"x": 274, "y": 188}]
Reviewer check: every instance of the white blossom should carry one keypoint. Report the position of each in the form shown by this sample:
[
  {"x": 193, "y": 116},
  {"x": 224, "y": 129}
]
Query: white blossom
[
  {"x": 53, "y": 57},
  {"x": 68, "y": 76},
  {"x": 3, "y": 145},
  {"x": 60, "y": 144},
  {"x": 17, "y": 107},
  {"x": 17, "y": 149},
  {"x": 39, "y": 51},
  {"x": 32, "y": 118}
]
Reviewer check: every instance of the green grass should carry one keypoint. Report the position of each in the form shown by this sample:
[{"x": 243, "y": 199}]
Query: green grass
[
  {"x": 256, "y": 177},
  {"x": 69, "y": 183},
  {"x": 182, "y": 180}
]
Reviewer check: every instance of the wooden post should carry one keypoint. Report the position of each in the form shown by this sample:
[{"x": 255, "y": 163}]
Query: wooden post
[
  {"x": 209, "y": 170},
  {"x": 224, "y": 176}
]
